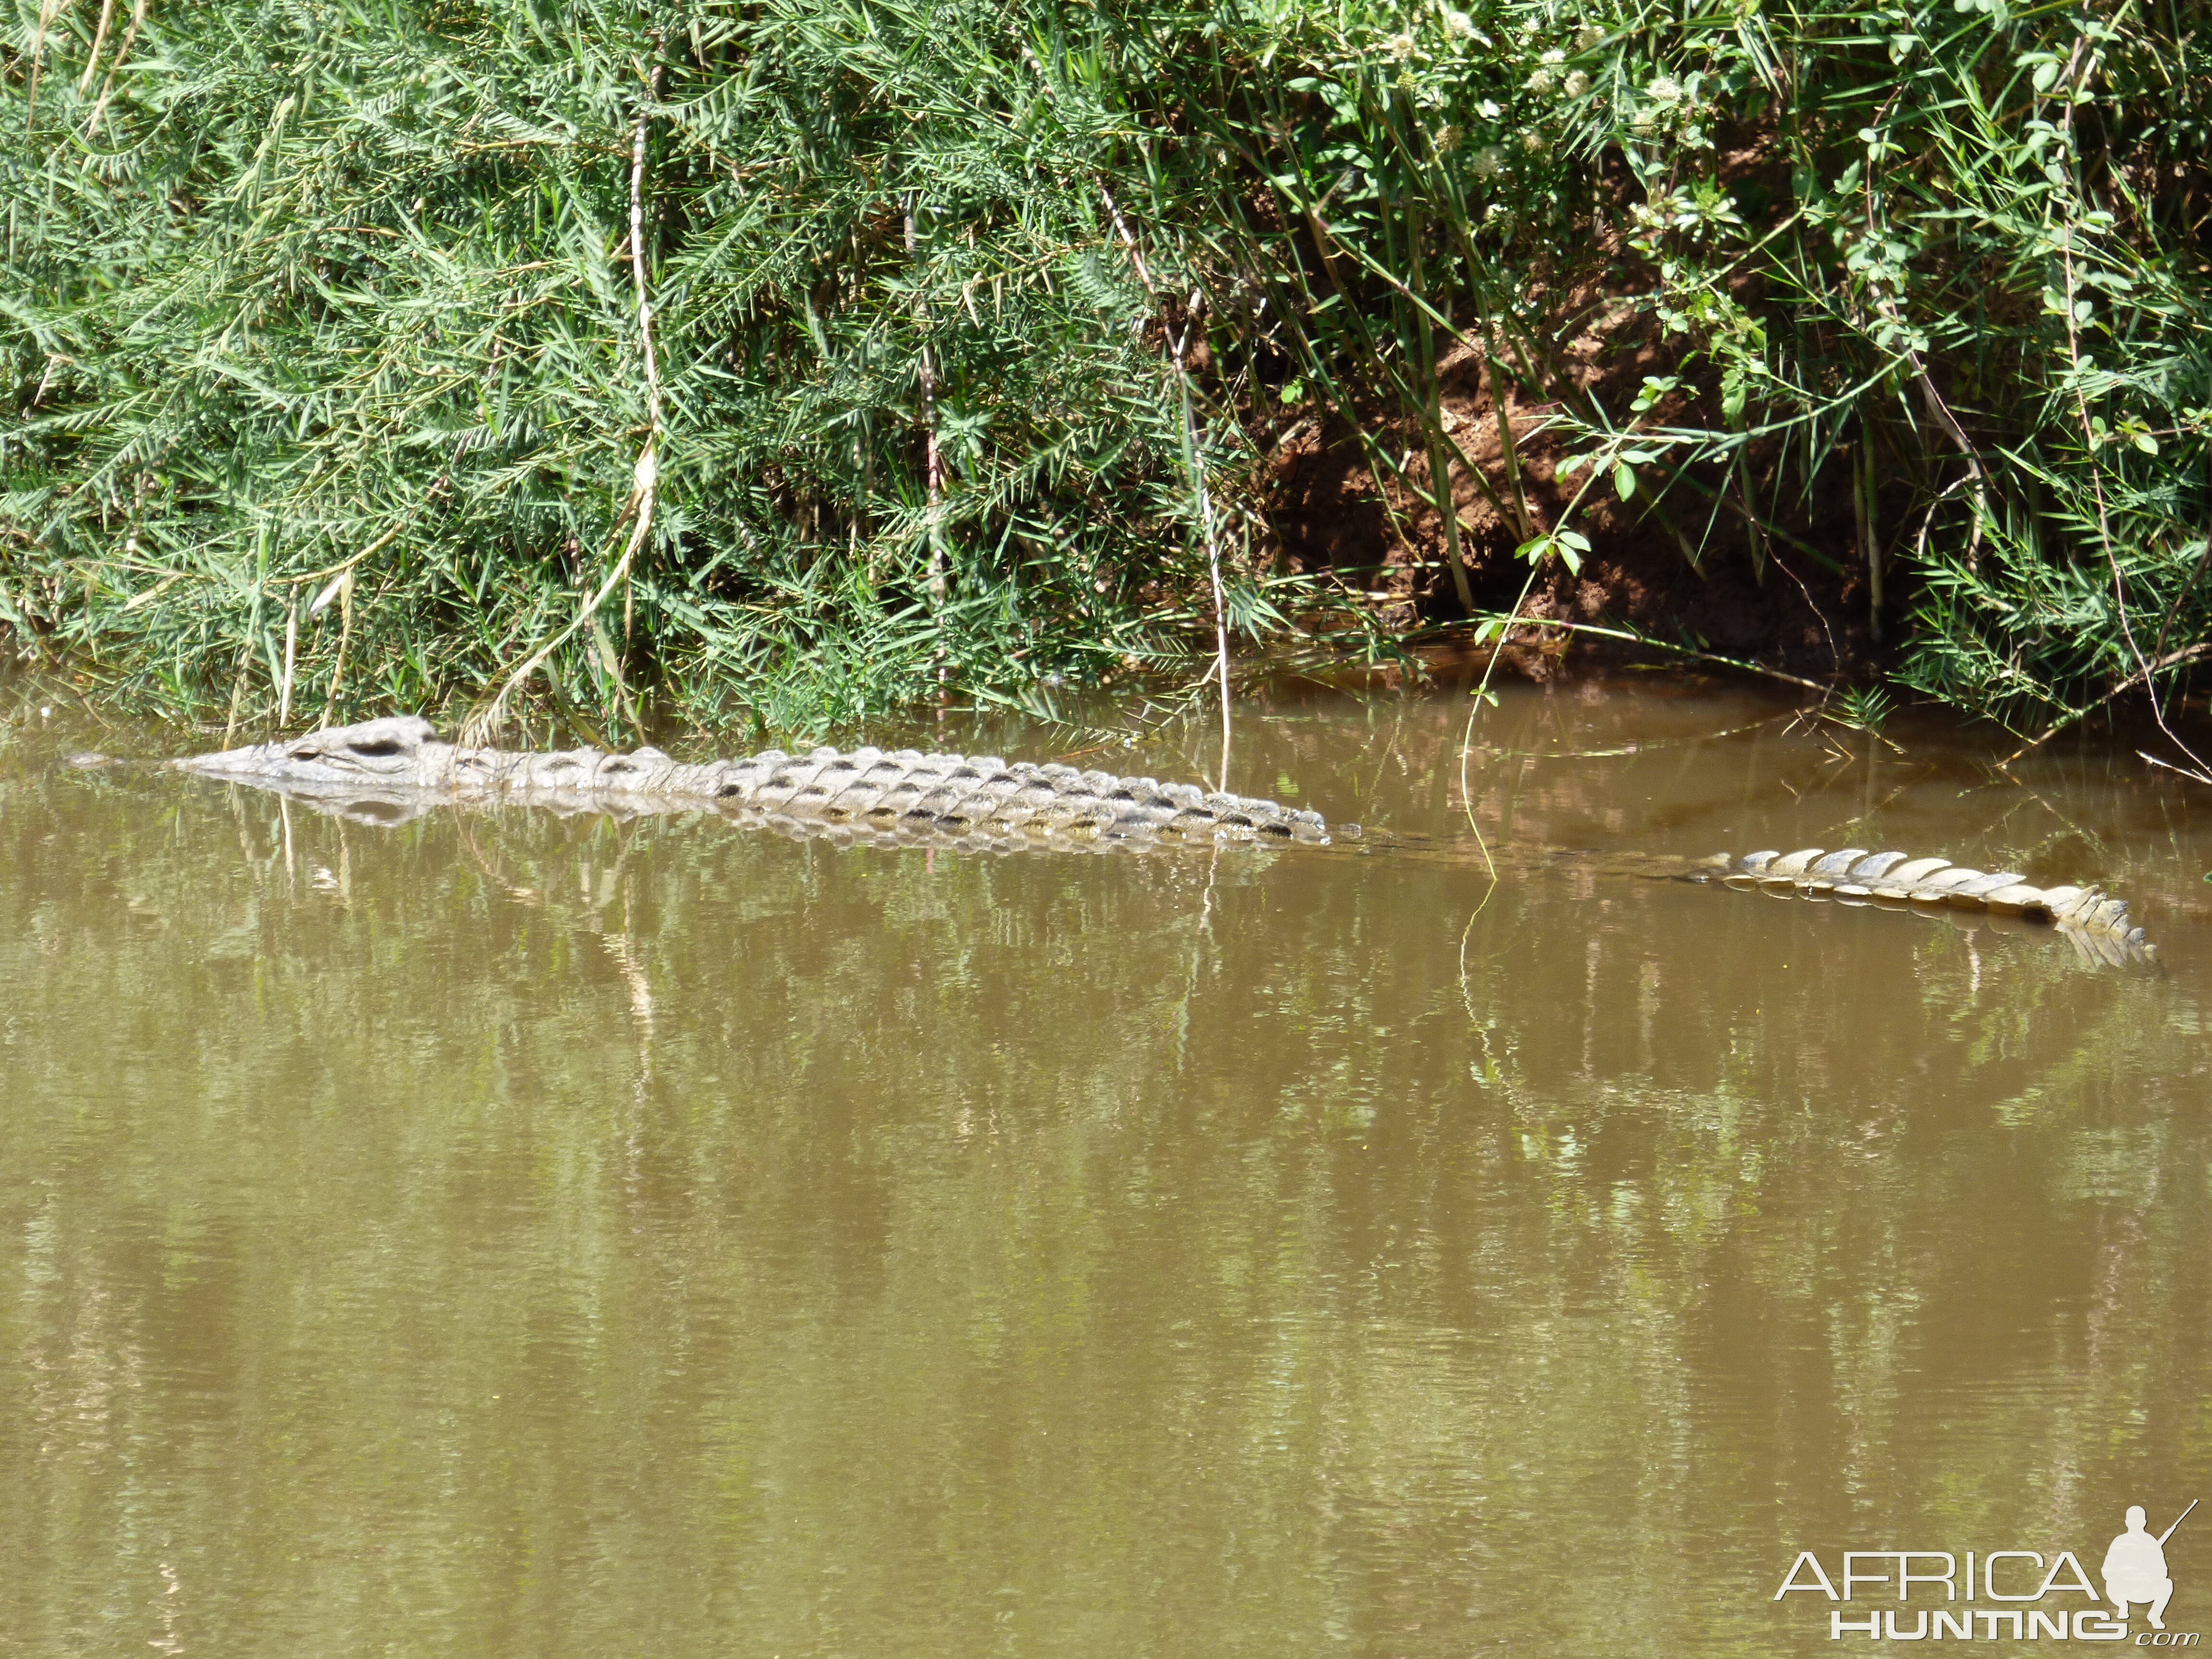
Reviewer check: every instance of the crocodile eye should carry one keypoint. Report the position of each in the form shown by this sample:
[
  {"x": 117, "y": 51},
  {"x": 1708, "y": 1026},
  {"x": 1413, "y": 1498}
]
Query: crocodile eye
[{"x": 376, "y": 749}]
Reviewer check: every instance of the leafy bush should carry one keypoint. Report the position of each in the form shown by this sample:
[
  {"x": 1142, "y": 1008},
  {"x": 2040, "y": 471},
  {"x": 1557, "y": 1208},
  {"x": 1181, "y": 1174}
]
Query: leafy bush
[
  {"x": 952, "y": 332},
  {"x": 333, "y": 376},
  {"x": 1943, "y": 266}
]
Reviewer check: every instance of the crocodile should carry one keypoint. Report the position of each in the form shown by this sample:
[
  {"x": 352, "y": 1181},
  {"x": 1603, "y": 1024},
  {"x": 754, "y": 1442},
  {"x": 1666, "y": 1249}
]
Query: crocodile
[{"x": 386, "y": 771}]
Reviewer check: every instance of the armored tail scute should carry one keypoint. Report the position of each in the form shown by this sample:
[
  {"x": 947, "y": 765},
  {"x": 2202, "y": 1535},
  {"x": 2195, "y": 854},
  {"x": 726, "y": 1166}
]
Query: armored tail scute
[{"x": 2097, "y": 924}]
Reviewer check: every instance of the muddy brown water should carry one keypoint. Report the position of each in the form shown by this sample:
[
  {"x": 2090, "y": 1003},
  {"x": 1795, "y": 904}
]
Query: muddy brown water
[{"x": 511, "y": 1234}]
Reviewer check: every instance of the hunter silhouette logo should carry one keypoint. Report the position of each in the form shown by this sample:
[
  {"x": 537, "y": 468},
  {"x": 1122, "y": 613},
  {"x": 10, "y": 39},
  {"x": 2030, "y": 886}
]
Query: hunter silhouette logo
[
  {"x": 2134, "y": 1567},
  {"x": 1999, "y": 1594}
]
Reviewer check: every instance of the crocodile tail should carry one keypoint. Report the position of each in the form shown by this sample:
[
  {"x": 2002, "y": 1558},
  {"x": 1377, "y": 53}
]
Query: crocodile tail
[{"x": 2095, "y": 920}]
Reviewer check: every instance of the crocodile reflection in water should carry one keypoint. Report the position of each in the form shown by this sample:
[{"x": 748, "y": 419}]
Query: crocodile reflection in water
[{"x": 386, "y": 771}]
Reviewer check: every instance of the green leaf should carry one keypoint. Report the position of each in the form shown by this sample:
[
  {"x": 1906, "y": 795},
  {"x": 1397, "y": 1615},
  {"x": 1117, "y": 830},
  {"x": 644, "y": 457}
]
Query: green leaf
[
  {"x": 1624, "y": 480},
  {"x": 1569, "y": 544}
]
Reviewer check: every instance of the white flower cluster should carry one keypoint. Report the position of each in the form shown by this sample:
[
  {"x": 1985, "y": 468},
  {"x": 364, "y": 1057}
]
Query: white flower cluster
[
  {"x": 1574, "y": 82},
  {"x": 1540, "y": 81}
]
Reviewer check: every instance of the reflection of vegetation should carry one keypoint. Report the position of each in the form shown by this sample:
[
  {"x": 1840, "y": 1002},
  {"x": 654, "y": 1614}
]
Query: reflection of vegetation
[{"x": 952, "y": 1254}]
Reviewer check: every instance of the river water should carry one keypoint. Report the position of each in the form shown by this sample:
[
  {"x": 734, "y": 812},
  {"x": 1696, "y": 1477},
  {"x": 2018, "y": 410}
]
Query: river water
[{"x": 506, "y": 1234}]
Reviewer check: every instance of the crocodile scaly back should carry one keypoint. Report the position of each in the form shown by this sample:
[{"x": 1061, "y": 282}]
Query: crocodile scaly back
[{"x": 902, "y": 793}]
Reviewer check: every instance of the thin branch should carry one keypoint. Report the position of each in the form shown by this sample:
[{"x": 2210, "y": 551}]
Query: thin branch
[
  {"x": 114, "y": 67},
  {"x": 48, "y": 11},
  {"x": 931, "y": 466},
  {"x": 2141, "y": 676},
  {"x": 1194, "y": 458},
  {"x": 98, "y": 40},
  {"x": 2078, "y": 68},
  {"x": 645, "y": 477},
  {"x": 1635, "y": 638}
]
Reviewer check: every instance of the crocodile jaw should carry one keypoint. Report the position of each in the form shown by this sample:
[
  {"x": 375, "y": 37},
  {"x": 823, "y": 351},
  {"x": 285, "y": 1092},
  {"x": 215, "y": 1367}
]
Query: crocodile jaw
[{"x": 388, "y": 751}]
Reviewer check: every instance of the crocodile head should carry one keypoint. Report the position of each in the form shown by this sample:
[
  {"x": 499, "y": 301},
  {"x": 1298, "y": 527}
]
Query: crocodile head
[{"x": 374, "y": 752}]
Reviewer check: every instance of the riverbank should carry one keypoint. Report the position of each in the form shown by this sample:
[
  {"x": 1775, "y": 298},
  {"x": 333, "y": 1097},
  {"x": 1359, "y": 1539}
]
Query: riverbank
[{"x": 797, "y": 364}]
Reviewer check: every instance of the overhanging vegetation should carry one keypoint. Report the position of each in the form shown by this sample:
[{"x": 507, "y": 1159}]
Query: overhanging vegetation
[{"x": 799, "y": 359}]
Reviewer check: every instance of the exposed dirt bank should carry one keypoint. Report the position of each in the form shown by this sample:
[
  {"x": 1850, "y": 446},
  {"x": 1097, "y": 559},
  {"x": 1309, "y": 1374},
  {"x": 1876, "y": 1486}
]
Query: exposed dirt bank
[{"x": 1682, "y": 569}]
